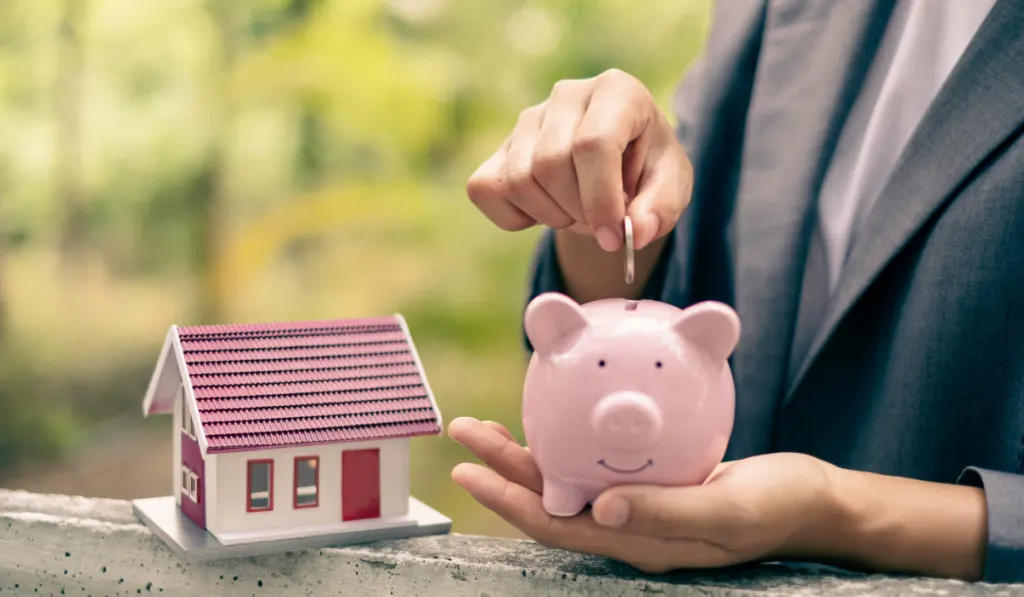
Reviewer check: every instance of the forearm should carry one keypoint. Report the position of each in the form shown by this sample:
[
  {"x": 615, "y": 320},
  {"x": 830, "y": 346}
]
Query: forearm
[
  {"x": 590, "y": 273},
  {"x": 894, "y": 524}
]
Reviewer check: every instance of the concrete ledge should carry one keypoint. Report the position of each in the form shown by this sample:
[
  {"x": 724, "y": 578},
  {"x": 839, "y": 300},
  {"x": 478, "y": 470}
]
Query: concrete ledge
[{"x": 59, "y": 545}]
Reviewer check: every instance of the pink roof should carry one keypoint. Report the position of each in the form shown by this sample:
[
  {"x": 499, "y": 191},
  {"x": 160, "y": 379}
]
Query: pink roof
[{"x": 298, "y": 383}]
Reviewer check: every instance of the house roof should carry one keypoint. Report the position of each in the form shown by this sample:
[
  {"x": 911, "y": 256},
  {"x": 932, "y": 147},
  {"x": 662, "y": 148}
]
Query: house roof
[{"x": 257, "y": 386}]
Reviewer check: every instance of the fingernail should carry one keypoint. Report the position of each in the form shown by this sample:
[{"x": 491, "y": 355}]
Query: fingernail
[
  {"x": 607, "y": 238},
  {"x": 613, "y": 512}
]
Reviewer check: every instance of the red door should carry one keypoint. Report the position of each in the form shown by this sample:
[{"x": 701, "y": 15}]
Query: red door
[{"x": 360, "y": 484}]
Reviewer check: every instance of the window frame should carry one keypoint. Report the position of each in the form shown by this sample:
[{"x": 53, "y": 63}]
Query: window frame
[
  {"x": 187, "y": 424},
  {"x": 270, "y": 485},
  {"x": 316, "y": 482},
  {"x": 189, "y": 484}
]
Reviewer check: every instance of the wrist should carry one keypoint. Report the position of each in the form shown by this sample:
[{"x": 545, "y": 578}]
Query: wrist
[
  {"x": 831, "y": 522},
  {"x": 893, "y": 524},
  {"x": 856, "y": 513}
]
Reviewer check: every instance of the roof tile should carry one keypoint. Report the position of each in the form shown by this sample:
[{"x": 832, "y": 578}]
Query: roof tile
[
  {"x": 291, "y": 354},
  {"x": 216, "y": 404},
  {"x": 228, "y": 379},
  {"x": 271, "y": 342},
  {"x": 301, "y": 327},
  {"x": 315, "y": 387},
  {"x": 236, "y": 442},
  {"x": 286, "y": 365}
]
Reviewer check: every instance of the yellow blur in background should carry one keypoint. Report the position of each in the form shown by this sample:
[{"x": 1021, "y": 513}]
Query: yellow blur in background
[{"x": 213, "y": 161}]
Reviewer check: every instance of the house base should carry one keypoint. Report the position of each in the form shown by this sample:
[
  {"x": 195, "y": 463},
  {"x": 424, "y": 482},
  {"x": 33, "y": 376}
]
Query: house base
[{"x": 165, "y": 519}]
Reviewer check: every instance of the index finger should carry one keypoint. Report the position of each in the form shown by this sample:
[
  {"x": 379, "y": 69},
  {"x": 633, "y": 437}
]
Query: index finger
[
  {"x": 485, "y": 190},
  {"x": 498, "y": 451}
]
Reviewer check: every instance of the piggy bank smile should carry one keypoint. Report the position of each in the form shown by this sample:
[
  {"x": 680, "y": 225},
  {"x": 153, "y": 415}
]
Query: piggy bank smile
[
  {"x": 614, "y": 386},
  {"x": 649, "y": 463}
]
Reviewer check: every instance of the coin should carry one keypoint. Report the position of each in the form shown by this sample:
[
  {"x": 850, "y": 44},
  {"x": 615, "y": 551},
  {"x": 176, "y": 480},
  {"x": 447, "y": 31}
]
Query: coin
[{"x": 629, "y": 250}]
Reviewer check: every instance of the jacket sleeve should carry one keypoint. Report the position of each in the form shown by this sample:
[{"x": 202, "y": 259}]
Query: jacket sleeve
[{"x": 1004, "y": 498}]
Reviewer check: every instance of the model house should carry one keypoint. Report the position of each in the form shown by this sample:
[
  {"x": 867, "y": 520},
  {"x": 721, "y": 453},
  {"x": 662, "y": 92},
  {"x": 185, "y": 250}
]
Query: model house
[{"x": 291, "y": 431}]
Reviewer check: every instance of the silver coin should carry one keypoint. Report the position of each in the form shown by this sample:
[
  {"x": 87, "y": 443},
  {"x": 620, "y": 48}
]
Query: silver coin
[{"x": 629, "y": 251}]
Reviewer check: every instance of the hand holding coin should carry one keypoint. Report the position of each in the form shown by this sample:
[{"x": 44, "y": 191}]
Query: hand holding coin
[{"x": 569, "y": 161}]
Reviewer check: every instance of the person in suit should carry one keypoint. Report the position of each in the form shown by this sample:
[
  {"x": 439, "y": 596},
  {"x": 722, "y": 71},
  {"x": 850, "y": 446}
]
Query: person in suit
[{"x": 849, "y": 176}]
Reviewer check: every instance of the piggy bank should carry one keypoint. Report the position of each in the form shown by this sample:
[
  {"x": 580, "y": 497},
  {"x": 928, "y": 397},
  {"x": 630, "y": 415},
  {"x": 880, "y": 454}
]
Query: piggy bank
[{"x": 626, "y": 392}]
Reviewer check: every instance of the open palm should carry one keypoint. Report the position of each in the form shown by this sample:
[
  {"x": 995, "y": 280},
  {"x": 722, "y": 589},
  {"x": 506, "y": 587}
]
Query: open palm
[{"x": 771, "y": 506}]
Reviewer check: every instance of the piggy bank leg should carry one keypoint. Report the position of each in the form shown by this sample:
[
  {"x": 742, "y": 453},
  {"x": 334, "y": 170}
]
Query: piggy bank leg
[{"x": 562, "y": 500}]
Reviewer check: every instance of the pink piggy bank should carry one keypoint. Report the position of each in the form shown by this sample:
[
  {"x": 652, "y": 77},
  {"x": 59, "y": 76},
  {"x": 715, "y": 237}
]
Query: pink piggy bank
[{"x": 626, "y": 392}]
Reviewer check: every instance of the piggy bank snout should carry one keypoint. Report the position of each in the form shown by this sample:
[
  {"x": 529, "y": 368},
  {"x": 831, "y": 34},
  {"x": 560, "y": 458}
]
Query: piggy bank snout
[{"x": 627, "y": 421}]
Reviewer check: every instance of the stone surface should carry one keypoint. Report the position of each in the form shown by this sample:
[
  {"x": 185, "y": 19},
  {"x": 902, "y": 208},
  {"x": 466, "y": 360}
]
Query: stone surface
[{"x": 58, "y": 545}]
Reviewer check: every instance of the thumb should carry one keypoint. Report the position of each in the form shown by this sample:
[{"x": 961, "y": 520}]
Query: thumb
[
  {"x": 661, "y": 198},
  {"x": 696, "y": 512}
]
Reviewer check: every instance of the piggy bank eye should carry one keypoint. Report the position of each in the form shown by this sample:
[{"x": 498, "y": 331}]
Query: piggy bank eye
[
  {"x": 600, "y": 363},
  {"x": 658, "y": 364}
]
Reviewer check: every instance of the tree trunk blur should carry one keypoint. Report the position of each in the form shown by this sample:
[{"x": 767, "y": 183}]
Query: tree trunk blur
[
  {"x": 3, "y": 286},
  {"x": 70, "y": 193},
  {"x": 7, "y": 245},
  {"x": 211, "y": 207},
  {"x": 309, "y": 165},
  {"x": 231, "y": 20}
]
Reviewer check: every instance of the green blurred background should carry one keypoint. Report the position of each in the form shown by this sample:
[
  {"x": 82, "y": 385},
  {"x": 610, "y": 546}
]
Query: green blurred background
[{"x": 198, "y": 161}]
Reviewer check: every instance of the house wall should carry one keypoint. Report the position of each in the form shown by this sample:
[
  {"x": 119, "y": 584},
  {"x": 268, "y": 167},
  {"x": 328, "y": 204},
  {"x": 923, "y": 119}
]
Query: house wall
[
  {"x": 179, "y": 396},
  {"x": 192, "y": 457},
  {"x": 230, "y": 478},
  {"x": 210, "y": 489}
]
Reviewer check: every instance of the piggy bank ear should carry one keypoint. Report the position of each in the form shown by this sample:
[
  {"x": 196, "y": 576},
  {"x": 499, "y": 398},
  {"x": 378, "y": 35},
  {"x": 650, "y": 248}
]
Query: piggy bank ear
[
  {"x": 713, "y": 326},
  {"x": 554, "y": 322}
]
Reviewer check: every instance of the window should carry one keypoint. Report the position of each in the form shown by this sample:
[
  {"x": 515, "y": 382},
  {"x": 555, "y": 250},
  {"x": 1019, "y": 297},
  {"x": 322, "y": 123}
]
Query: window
[
  {"x": 190, "y": 483},
  {"x": 260, "y": 482},
  {"x": 307, "y": 481},
  {"x": 187, "y": 426}
]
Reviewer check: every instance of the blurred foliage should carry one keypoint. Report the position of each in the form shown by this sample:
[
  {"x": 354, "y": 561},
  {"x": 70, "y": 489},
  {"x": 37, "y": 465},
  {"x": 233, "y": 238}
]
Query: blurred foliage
[{"x": 191, "y": 161}]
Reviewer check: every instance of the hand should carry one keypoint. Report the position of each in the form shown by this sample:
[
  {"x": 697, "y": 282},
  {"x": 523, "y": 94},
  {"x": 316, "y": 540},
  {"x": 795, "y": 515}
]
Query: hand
[
  {"x": 579, "y": 160},
  {"x": 773, "y": 506}
]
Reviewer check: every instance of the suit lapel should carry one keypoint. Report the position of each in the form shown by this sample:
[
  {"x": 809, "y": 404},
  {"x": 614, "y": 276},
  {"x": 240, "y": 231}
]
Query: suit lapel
[
  {"x": 812, "y": 59},
  {"x": 979, "y": 107}
]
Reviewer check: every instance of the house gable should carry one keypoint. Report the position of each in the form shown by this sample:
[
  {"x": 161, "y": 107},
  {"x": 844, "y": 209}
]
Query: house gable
[
  {"x": 164, "y": 383},
  {"x": 171, "y": 373}
]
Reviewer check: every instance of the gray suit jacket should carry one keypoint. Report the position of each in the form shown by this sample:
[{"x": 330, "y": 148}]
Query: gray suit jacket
[{"x": 918, "y": 370}]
